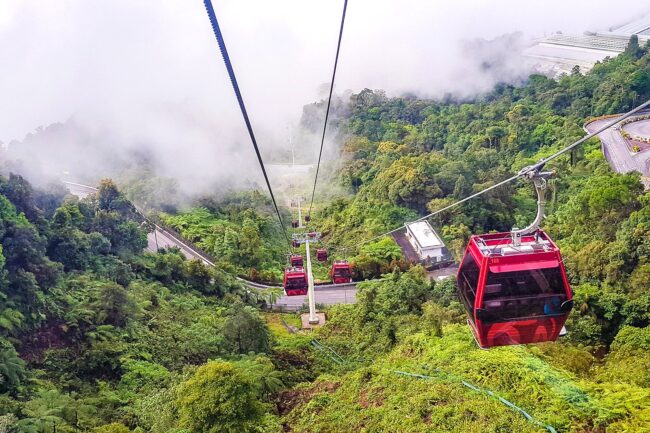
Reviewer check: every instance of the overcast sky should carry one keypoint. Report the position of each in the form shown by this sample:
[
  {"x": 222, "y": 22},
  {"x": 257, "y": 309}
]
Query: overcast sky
[{"x": 148, "y": 66}]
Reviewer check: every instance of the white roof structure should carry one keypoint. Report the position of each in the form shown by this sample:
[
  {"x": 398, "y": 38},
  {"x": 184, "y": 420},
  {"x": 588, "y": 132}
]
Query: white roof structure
[
  {"x": 424, "y": 234},
  {"x": 640, "y": 26},
  {"x": 559, "y": 53}
]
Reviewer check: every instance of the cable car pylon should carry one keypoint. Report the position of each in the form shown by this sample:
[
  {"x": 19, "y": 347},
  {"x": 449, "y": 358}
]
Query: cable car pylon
[
  {"x": 307, "y": 238},
  {"x": 313, "y": 318}
]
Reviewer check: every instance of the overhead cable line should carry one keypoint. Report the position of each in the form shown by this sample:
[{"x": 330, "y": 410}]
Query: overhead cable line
[
  {"x": 522, "y": 172},
  {"x": 240, "y": 100},
  {"x": 329, "y": 102}
]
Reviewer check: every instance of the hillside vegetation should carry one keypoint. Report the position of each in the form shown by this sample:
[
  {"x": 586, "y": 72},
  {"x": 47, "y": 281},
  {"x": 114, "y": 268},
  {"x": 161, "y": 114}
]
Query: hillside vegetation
[
  {"x": 98, "y": 336},
  {"x": 408, "y": 157}
]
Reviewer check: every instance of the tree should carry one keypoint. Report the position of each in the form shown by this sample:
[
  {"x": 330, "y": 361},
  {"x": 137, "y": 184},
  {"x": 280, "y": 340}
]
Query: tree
[
  {"x": 263, "y": 373},
  {"x": 20, "y": 193},
  {"x": 250, "y": 243},
  {"x": 245, "y": 331},
  {"x": 640, "y": 279},
  {"x": 198, "y": 275},
  {"x": 402, "y": 293},
  {"x": 575, "y": 70},
  {"x": 7, "y": 423},
  {"x": 385, "y": 249},
  {"x": 273, "y": 294},
  {"x": 219, "y": 398},
  {"x": 633, "y": 49},
  {"x": 434, "y": 316},
  {"x": 126, "y": 236},
  {"x": 495, "y": 134},
  {"x": 114, "y": 427},
  {"x": 12, "y": 368},
  {"x": 3, "y": 273},
  {"x": 71, "y": 247},
  {"x": 107, "y": 193},
  {"x": 113, "y": 305},
  {"x": 457, "y": 237},
  {"x": 45, "y": 412}
]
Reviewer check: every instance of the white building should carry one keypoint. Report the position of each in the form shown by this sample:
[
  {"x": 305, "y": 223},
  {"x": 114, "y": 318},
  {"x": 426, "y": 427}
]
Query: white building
[
  {"x": 425, "y": 241},
  {"x": 559, "y": 53}
]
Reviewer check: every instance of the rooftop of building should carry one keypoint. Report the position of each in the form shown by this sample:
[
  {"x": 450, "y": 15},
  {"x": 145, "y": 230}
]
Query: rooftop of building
[
  {"x": 424, "y": 234},
  {"x": 559, "y": 53}
]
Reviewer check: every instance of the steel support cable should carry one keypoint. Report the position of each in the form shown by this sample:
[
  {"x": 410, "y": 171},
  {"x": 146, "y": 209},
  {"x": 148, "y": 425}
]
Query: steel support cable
[
  {"x": 522, "y": 173},
  {"x": 329, "y": 102},
  {"x": 240, "y": 100}
]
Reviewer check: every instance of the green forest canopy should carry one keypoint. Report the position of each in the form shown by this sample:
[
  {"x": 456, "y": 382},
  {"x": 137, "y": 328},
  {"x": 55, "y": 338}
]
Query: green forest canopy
[{"x": 98, "y": 336}]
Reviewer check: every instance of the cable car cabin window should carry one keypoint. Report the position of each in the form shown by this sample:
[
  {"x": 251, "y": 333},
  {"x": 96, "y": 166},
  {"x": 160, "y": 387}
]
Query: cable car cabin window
[
  {"x": 522, "y": 294},
  {"x": 468, "y": 281},
  {"x": 342, "y": 272},
  {"x": 296, "y": 283}
]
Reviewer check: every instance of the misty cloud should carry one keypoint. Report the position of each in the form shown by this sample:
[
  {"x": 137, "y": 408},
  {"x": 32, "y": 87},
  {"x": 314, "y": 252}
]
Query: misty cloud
[{"x": 146, "y": 77}]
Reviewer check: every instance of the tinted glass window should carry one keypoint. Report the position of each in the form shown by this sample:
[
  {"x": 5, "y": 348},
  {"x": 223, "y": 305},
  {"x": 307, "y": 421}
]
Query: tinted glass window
[
  {"x": 342, "y": 272},
  {"x": 468, "y": 281},
  {"x": 296, "y": 283},
  {"x": 511, "y": 295}
]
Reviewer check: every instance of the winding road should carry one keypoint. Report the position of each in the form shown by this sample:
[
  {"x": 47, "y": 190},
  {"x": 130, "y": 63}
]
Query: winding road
[
  {"x": 616, "y": 151},
  {"x": 326, "y": 294}
]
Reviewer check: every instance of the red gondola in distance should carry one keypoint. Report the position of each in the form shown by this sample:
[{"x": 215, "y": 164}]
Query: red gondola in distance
[
  {"x": 341, "y": 272},
  {"x": 295, "y": 281},
  {"x": 514, "y": 293},
  {"x": 296, "y": 260},
  {"x": 321, "y": 254}
]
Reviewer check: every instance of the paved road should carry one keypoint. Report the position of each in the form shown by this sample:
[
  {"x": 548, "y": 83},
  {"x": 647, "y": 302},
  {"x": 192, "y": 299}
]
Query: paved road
[
  {"x": 615, "y": 149},
  {"x": 327, "y": 294},
  {"x": 160, "y": 238},
  {"x": 640, "y": 128}
]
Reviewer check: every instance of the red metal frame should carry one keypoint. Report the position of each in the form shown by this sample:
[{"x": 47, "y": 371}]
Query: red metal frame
[
  {"x": 545, "y": 254},
  {"x": 296, "y": 274},
  {"x": 341, "y": 264}
]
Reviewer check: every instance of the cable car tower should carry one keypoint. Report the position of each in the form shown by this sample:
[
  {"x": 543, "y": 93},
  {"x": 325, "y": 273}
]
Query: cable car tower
[{"x": 307, "y": 238}]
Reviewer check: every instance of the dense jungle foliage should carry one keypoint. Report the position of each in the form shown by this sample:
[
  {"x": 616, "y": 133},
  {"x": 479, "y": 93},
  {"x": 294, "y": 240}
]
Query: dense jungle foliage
[
  {"x": 94, "y": 331},
  {"x": 408, "y": 157},
  {"x": 99, "y": 336}
]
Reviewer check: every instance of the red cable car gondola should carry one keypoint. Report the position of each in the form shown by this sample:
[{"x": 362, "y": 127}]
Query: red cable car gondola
[
  {"x": 341, "y": 272},
  {"x": 296, "y": 260},
  {"x": 514, "y": 294},
  {"x": 295, "y": 282},
  {"x": 295, "y": 243},
  {"x": 321, "y": 254},
  {"x": 295, "y": 224},
  {"x": 513, "y": 285}
]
